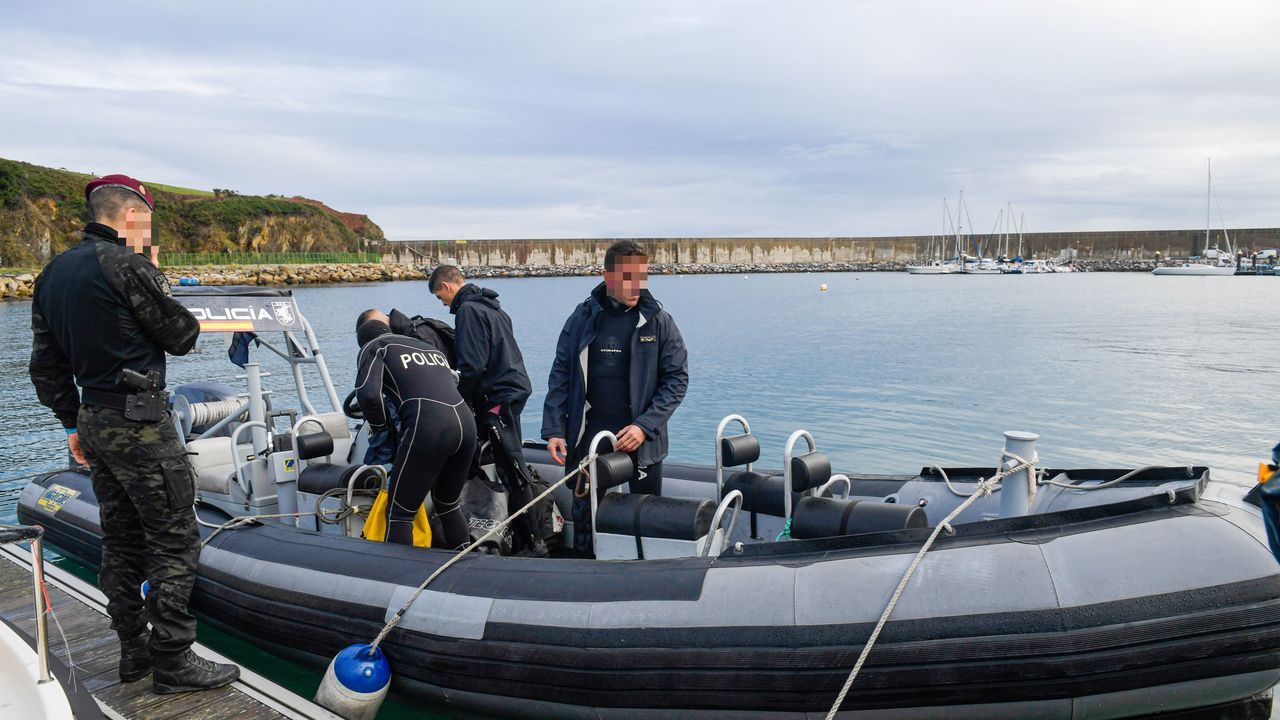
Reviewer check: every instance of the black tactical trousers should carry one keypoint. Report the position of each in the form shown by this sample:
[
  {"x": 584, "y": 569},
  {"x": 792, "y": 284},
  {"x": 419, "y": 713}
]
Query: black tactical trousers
[{"x": 145, "y": 489}]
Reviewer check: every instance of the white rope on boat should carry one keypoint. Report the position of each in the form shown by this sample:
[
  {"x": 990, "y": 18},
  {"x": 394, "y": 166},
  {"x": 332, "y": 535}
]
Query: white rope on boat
[
  {"x": 395, "y": 619},
  {"x": 1058, "y": 483},
  {"x": 242, "y": 520},
  {"x": 985, "y": 487},
  {"x": 212, "y": 411}
]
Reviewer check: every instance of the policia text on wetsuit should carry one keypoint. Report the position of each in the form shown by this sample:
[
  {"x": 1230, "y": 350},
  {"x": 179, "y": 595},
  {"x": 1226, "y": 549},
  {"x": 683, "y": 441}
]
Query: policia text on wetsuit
[{"x": 103, "y": 319}]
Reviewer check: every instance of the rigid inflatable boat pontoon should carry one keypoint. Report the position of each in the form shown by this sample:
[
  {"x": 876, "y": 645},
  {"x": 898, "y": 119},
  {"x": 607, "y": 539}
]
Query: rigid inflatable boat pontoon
[{"x": 741, "y": 592}]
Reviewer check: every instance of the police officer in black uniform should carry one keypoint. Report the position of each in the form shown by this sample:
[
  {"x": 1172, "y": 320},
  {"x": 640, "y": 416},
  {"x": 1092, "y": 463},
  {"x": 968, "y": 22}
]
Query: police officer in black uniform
[{"x": 103, "y": 319}]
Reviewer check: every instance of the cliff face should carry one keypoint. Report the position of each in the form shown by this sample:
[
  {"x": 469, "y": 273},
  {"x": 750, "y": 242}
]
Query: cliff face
[{"x": 42, "y": 211}]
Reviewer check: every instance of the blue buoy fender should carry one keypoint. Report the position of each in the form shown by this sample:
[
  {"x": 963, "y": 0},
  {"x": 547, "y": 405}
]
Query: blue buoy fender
[{"x": 356, "y": 683}]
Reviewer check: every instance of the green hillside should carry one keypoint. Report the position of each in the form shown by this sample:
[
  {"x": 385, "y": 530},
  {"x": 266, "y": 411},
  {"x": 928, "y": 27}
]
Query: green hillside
[{"x": 42, "y": 210}]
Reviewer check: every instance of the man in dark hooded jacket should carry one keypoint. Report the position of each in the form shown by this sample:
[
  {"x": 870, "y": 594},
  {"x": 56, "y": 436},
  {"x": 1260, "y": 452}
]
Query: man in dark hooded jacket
[
  {"x": 491, "y": 370},
  {"x": 620, "y": 366},
  {"x": 492, "y": 378}
]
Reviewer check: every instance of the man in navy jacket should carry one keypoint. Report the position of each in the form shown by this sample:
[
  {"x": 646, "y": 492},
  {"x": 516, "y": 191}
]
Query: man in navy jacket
[{"x": 620, "y": 366}]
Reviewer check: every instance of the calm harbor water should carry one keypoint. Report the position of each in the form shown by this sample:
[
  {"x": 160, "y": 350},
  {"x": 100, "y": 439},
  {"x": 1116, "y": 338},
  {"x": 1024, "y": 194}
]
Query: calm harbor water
[{"x": 890, "y": 372}]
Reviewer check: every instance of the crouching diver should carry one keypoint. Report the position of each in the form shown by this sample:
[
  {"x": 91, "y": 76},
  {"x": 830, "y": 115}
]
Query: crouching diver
[
  {"x": 436, "y": 438},
  {"x": 1267, "y": 496}
]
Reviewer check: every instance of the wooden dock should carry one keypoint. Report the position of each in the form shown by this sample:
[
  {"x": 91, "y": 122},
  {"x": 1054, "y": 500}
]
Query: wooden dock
[{"x": 81, "y": 610}]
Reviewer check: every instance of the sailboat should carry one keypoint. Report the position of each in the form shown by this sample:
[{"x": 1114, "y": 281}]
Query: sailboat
[
  {"x": 971, "y": 265},
  {"x": 1213, "y": 261},
  {"x": 935, "y": 265}
]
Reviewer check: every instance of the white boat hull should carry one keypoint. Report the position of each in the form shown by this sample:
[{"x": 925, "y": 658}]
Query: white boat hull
[
  {"x": 21, "y": 695},
  {"x": 928, "y": 270},
  {"x": 1191, "y": 269}
]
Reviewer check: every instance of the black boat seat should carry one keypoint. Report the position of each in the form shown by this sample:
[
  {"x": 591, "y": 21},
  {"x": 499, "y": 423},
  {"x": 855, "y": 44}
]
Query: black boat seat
[
  {"x": 809, "y": 471},
  {"x": 636, "y": 526},
  {"x": 819, "y": 517},
  {"x": 318, "y": 478},
  {"x": 314, "y": 445},
  {"x": 761, "y": 492},
  {"x": 654, "y": 516},
  {"x": 739, "y": 450}
]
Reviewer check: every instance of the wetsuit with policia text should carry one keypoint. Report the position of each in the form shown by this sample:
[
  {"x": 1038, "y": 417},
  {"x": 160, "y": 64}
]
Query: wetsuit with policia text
[{"x": 437, "y": 433}]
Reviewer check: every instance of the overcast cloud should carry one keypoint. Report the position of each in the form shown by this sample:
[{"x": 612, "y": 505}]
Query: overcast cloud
[{"x": 598, "y": 119}]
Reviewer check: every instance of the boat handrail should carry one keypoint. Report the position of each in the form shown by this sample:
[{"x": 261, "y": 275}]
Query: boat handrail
[
  {"x": 838, "y": 478},
  {"x": 786, "y": 470},
  {"x": 746, "y": 429},
  {"x": 235, "y": 444},
  {"x": 591, "y": 475},
  {"x": 17, "y": 533},
  {"x": 735, "y": 499}
]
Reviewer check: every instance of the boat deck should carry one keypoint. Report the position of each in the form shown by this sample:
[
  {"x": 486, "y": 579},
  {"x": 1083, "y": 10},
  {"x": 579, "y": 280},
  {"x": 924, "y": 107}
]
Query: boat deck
[{"x": 81, "y": 610}]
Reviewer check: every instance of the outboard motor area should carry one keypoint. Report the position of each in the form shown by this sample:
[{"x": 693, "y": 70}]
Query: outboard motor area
[{"x": 635, "y": 526}]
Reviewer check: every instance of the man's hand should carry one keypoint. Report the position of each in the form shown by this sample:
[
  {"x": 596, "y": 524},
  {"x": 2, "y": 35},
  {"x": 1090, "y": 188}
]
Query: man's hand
[
  {"x": 559, "y": 450},
  {"x": 630, "y": 438},
  {"x": 73, "y": 443}
]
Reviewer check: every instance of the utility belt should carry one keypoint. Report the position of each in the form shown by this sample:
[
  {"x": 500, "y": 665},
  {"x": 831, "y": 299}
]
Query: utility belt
[
  {"x": 103, "y": 398},
  {"x": 148, "y": 403}
]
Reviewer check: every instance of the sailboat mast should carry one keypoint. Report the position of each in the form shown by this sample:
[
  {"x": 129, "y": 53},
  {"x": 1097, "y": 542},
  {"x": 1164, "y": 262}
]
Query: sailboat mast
[
  {"x": 1208, "y": 188},
  {"x": 1021, "y": 222}
]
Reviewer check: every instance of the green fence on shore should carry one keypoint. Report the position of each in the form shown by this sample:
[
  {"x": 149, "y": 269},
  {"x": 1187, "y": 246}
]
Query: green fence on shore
[{"x": 335, "y": 258}]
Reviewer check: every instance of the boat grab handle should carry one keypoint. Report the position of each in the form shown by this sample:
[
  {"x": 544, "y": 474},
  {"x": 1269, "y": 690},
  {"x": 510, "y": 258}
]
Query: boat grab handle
[
  {"x": 844, "y": 479},
  {"x": 734, "y": 498},
  {"x": 746, "y": 429},
  {"x": 235, "y": 443},
  {"x": 591, "y": 477},
  {"x": 786, "y": 470}
]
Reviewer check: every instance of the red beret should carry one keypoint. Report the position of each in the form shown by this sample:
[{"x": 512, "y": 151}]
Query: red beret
[{"x": 121, "y": 181}]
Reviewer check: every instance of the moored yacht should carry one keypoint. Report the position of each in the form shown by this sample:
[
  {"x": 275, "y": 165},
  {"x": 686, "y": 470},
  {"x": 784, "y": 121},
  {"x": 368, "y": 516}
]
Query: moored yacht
[{"x": 1213, "y": 260}]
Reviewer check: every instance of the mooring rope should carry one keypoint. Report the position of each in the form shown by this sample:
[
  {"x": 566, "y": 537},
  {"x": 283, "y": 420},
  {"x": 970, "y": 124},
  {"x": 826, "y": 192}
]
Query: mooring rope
[
  {"x": 985, "y": 487},
  {"x": 242, "y": 520},
  {"x": 395, "y": 619}
]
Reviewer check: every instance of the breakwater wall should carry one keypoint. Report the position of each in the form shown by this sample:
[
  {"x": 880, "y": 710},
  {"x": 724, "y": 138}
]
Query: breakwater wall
[{"x": 1102, "y": 245}]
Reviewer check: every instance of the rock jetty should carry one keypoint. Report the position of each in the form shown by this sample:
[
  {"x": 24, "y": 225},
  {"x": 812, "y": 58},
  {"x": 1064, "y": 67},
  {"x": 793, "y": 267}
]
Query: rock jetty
[{"x": 20, "y": 284}]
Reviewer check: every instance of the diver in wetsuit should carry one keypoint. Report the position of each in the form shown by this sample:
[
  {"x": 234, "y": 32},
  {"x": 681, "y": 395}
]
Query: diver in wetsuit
[{"x": 437, "y": 434}]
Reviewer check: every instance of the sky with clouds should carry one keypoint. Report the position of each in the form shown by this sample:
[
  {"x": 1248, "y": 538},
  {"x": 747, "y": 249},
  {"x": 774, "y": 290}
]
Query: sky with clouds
[{"x": 524, "y": 119}]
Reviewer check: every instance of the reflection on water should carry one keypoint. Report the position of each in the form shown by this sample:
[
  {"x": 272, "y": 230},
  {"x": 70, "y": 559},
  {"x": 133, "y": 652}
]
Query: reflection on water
[{"x": 890, "y": 372}]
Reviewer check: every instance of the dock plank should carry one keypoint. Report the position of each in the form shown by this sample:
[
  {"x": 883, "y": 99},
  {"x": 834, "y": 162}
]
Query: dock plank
[{"x": 91, "y": 644}]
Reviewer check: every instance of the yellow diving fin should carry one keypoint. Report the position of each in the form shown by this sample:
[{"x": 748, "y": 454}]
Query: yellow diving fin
[{"x": 1265, "y": 472}]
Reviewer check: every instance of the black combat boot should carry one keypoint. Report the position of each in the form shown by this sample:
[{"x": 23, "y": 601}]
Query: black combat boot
[
  {"x": 135, "y": 660},
  {"x": 187, "y": 672}
]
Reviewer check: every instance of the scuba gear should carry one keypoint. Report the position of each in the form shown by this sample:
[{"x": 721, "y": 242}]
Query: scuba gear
[
  {"x": 428, "y": 330},
  {"x": 1268, "y": 498},
  {"x": 500, "y": 482},
  {"x": 375, "y": 526}
]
